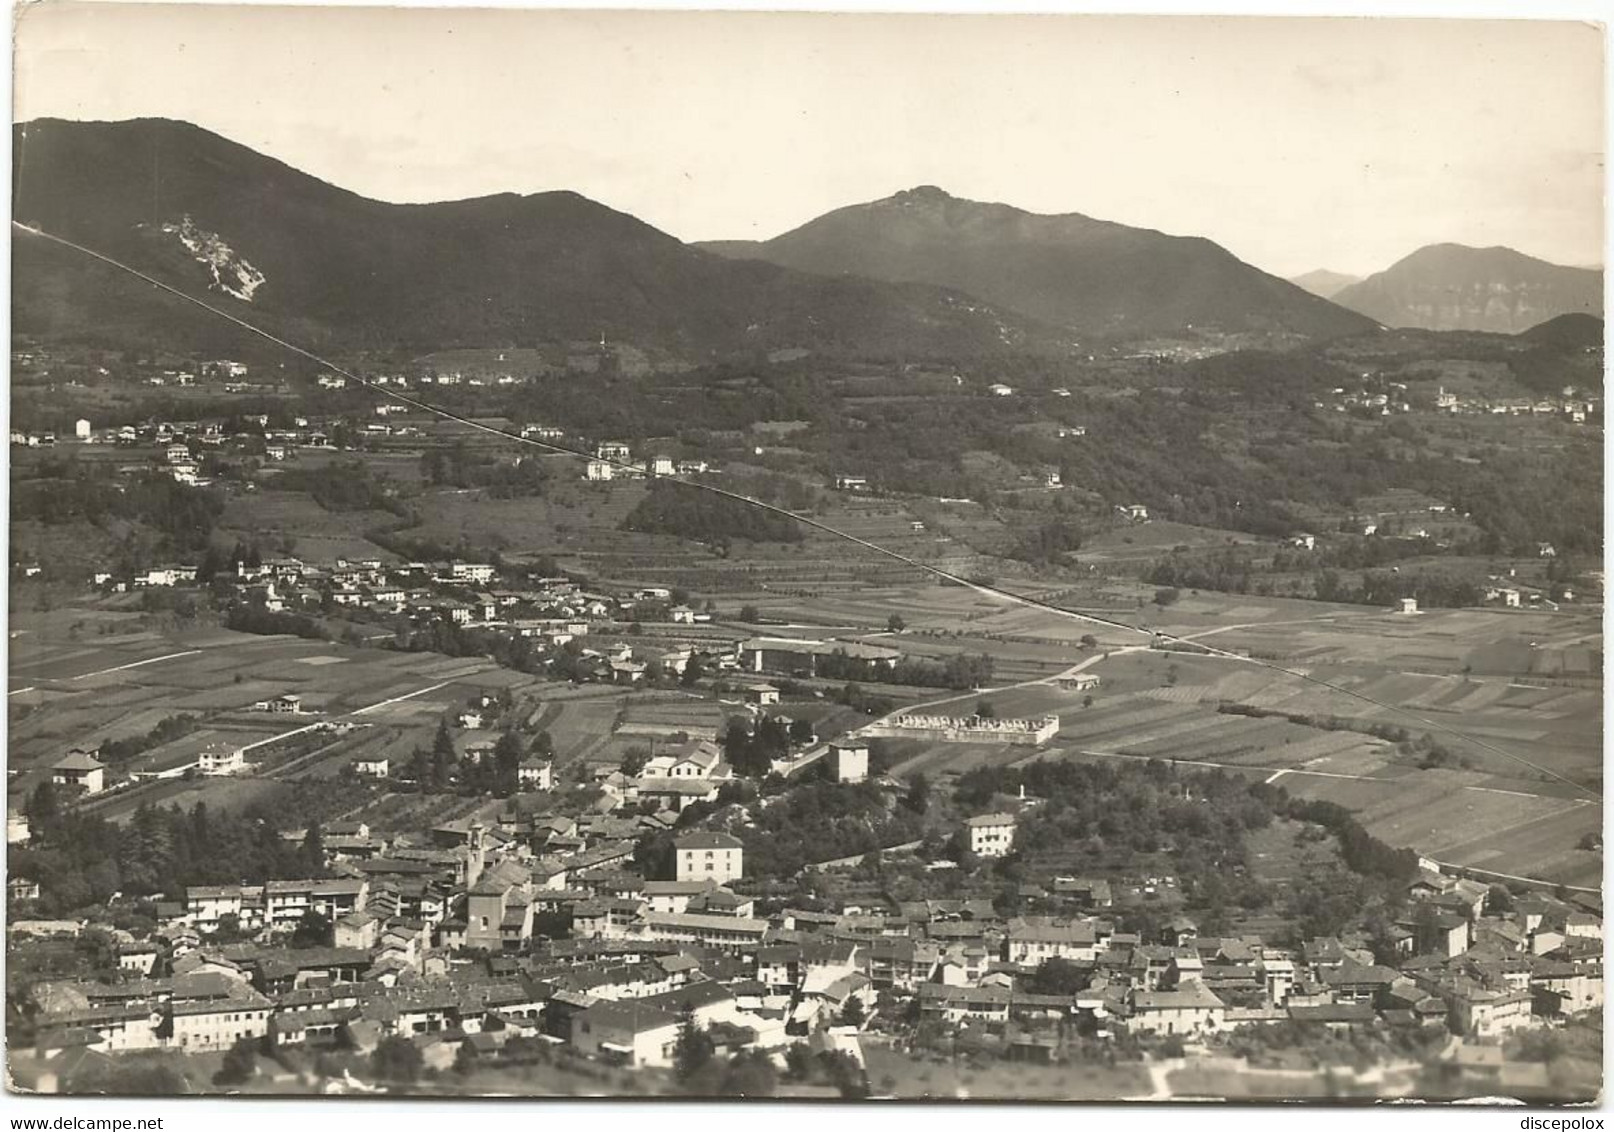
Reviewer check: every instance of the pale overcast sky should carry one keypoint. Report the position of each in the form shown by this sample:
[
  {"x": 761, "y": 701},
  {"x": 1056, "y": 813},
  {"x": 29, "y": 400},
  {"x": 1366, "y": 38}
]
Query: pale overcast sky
[{"x": 1297, "y": 144}]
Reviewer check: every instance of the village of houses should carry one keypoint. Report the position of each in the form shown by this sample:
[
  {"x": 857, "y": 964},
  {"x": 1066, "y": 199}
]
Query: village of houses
[
  {"x": 481, "y": 943},
  {"x": 447, "y": 939}
]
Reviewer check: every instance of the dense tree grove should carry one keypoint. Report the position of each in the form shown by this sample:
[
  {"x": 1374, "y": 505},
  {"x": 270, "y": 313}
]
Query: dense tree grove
[
  {"x": 182, "y": 517},
  {"x": 1049, "y": 543},
  {"x": 1200, "y": 821},
  {"x": 676, "y": 509},
  {"x": 462, "y": 467},
  {"x": 1364, "y": 853},
  {"x": 960, "y": 672},
  {"x": 823, "y": 821},
  {"x": 751, "y": 749},
  {"x": 1239, "y": 572},
  {"x": 166, "y": 731},
  {"x": 245, "y": 617},
  {"x": 396, "y": 1058},
  {"x": 343, "y": 485},
  {"x": 80, "y": 859},
  {"x": 1198, "y": 816}
]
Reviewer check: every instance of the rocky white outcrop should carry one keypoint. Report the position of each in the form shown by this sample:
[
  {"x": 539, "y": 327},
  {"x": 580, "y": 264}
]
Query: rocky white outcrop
[{"x": 231, "y": 273}]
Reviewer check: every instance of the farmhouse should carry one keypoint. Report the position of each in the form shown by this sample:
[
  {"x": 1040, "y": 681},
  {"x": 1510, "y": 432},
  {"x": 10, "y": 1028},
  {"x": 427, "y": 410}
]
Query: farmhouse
[
  {"x": 761, "y": 695},
  {"x": 675, "y": 793},
  {"x": 538, "y": 774},
  {"x": 81, "y": 770},
  {"x": 698, "y": 759},
  {"x": 375, "y": 766},
  {"x": 186, "y": 755},
  {"x": 1084, "y": 892}
]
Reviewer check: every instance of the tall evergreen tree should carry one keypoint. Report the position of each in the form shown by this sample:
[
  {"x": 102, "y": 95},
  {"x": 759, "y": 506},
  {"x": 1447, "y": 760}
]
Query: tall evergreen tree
[
  {"x": 694, "y": 1049},
  {"x": 443, "y": 757},
  {"x": 506, "y": 763},
  {"x": 313, "y": 852}
]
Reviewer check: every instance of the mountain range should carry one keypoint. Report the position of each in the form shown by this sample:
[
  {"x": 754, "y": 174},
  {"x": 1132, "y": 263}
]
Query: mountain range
[
  {"x": 330, "y": 267},
  {"x": 1324, "y": 284},
  {"x": 1454, "y": 287},
  {"x": 920, "y": 273},
  {"x": 1071, "y": 271}
]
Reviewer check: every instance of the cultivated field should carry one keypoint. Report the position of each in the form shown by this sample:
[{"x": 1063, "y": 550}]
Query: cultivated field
[
  {"x": 1511, "y": 686},
  {"x": 68, "y": 694}
]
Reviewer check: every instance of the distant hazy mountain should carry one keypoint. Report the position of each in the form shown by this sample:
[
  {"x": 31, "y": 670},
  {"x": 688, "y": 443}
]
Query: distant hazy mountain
[
  {"x": 1070, "y": 270},
  {"x": 209, "y": 215},
  {"x": 1325, "y": 284},
  {"x": 1453, "y": 287}
]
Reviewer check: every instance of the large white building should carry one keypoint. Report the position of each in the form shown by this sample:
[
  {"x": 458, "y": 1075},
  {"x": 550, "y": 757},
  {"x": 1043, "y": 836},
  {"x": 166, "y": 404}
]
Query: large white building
[
  {"x": 709, "y": 856},
  {"x": 991, "y": 835},
  {"x": 1189, "y": 1009},
  {"x": 222, "y": 758}
]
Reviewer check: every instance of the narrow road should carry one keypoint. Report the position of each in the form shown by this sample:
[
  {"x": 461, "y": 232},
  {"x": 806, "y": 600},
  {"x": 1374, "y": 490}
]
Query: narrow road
[
  {"x": 102, "y": 671},
  {"x": 304, "y": 760},
  {"x": 1513, "y": 876},
  {"x": 138, "y": 664},
  {"x": 1330, "y": 619},
  {"x": 1229, "y": 766},
  {"x": 400, "y": 699}
]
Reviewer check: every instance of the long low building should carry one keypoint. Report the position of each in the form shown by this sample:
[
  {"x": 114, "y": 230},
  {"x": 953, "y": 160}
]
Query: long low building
[
  {"x": 713, "y": 931},
  {"x": 795, "y": 655},
  {"x": 962, "y": 729}
]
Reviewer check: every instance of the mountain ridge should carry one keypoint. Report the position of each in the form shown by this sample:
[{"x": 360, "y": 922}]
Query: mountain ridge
[
  {"x": 1450, "y": 286},
  {"x": 341, "y": 268},
  {"x": 1071, "y": 270}
]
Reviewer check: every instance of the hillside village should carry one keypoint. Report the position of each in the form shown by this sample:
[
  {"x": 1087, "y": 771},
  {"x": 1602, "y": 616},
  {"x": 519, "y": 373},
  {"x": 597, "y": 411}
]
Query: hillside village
[
  {"x": 541, "y": 937},
  {"x": 607, "y": 917}
]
